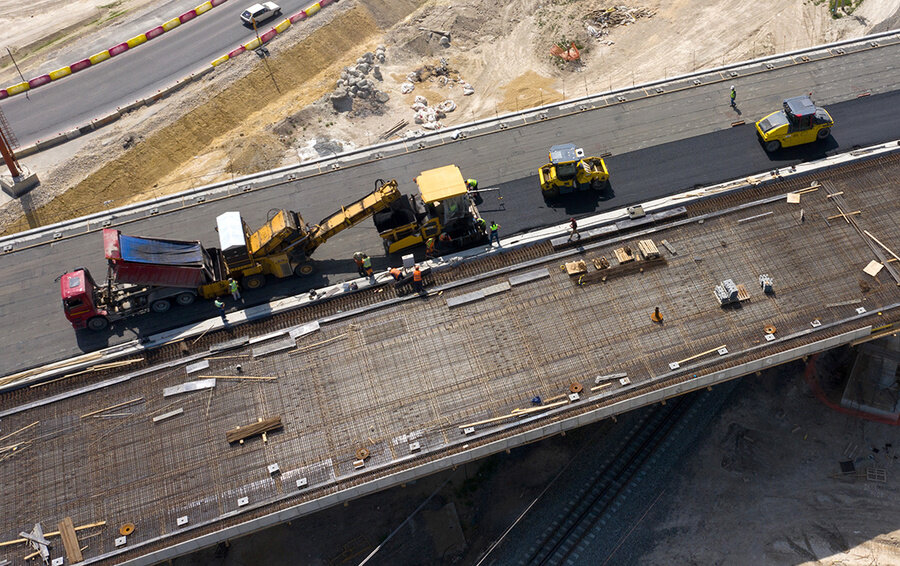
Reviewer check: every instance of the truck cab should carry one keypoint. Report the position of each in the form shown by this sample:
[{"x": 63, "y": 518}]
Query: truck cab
[
  {"x": 78, "y": 292},
  {"x": 798, "y": 122}
]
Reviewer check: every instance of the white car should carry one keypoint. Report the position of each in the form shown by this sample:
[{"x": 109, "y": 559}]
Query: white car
[{"x": 260, "y": 13}]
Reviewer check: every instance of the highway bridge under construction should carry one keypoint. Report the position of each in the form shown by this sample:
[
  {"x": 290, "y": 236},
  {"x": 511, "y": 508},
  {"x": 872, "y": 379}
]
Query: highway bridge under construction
[{"x": 236, "y": 427}]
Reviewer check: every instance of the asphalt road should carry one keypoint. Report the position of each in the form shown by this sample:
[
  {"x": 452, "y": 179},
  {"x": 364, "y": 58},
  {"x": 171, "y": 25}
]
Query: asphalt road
[
  {"x": 136, "y": 73},
  {"x": 660, "y": 144}
]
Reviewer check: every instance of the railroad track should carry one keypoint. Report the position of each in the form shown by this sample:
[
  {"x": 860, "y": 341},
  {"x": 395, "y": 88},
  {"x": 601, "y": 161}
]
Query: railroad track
[{"x": 588, "y": 528}]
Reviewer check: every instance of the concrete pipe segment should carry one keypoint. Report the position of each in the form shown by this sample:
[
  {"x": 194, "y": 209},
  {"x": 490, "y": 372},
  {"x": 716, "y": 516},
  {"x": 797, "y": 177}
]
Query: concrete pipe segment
[{"x": 111, "y": 52}]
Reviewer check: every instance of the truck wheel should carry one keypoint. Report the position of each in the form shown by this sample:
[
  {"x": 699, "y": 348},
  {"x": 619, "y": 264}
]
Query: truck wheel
[
  {"x": 254, "y": 281},
  {"x": 185, "y": 299},
  {"x": 303, "y": 269},
  {"x": 773, "y": 145},
  {"x": 98, "y": 323},
  {"x": 823, "y": 133},
  {"x": 162, "y": 305}
]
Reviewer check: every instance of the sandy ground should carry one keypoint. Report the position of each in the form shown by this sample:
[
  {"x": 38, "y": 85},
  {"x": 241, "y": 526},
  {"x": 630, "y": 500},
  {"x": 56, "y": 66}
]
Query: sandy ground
[
  {"x": 178, "y": 144},
  {"x": 767, "y": 480}
]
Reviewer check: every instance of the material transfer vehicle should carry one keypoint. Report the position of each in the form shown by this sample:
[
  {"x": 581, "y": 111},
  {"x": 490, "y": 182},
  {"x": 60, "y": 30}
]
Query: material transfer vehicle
[{"x": 443, "y": 210}]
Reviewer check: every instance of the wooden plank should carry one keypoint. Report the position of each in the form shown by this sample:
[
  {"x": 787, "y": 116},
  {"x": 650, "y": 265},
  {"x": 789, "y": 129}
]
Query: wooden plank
[
  {"x": 54, "y": 533},
  {"x": 701, "y": 354},
  {"x": 264, "y": 377},
  {"x": 24, "y": 428},
  {"x": 648, "y": 249},
  {"x": 136, "y": 400},
  {"x": 70, "y": 540},
  {"x": 170, "y": 414},
  {"x": 260, "y": 427}
]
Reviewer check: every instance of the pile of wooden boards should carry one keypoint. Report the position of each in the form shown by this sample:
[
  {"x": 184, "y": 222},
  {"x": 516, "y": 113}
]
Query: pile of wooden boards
[{"x": 628, "y": 262}]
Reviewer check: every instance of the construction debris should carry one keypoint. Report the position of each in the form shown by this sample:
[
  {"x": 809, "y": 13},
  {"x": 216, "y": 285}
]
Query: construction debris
[
  {"x": 354, "y": 81},
  {"x": 261, "y": 427},
  {"x": 189, "y": 387},
  {"x": 124, "y": 404},
  {"x": 168, "y": 415},
  {"x": 604, "y": 19},
  {"x": 570, "y": 54},
  {"x": 38, "y": 542}
]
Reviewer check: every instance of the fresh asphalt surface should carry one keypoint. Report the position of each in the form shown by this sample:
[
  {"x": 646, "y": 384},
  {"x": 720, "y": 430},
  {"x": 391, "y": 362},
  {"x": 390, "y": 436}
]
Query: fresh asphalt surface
[
  {"x": 660, "y": 145},
  {"x": 135, "y": 74}
]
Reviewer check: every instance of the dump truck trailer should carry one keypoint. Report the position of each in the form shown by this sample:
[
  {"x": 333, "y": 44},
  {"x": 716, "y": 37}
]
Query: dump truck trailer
[
  {"x": 150, "y": 274},
  {"x": 143, "y": 275}
]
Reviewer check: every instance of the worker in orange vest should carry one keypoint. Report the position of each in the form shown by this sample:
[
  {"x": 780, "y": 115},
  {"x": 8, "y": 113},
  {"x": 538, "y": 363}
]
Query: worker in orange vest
[
  {"x": 358, "y": 258},
  {"x": 417, "y": 279},
  {"x": 396, "y": 273}
]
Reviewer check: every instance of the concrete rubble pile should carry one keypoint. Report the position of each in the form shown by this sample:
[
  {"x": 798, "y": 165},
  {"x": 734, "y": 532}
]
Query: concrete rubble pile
[
  {"x": 441, "y": 74},
  {"x": 355, "y": 81},
  {"x": 599, "y": 22},
  {"x": 429, "y": 116}
]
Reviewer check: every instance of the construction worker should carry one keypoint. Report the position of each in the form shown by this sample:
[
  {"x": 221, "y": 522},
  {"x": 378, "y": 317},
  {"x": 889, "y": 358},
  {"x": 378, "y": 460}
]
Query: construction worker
[
  {"x": 233, "y": 289},
  {"x": 396, "y": 273},
  {"x": 471, "y": 184},
  {"x": 358, "y": 258},
  {"x": 417, "y": 279},
  {"x": 573, "y": 230},
  {"x": 367, "y": 267},
  {"x": 733, "y": 96},
  {"x": 481, "y": 224},
  {"x": 495, "y": 233},
  {"x": 221, "y": 306},
  {"x": 429, "y": 247}
]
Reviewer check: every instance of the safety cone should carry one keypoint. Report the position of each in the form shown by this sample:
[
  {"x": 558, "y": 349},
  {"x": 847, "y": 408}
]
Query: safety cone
[{"x": 656, "y": 316}]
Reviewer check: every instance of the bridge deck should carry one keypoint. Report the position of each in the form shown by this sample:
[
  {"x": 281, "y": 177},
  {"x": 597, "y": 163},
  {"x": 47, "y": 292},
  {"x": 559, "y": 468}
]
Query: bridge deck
[{"x": 416, "y": 370}]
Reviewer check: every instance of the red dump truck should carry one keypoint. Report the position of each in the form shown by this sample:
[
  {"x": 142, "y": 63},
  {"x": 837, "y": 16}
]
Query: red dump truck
[{"x": 143, "y": 275}]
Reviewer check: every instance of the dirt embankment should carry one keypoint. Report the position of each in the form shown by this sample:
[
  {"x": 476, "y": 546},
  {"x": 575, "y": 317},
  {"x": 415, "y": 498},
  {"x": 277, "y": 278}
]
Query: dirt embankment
[
  {"x": 232, "y": 120},
  {"x": 253, "y": 115}
]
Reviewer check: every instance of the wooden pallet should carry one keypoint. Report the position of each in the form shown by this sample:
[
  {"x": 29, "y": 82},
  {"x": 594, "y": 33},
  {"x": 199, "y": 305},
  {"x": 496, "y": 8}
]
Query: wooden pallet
[
  {"x": 624, "y": 255},
  {"x": 575, "y": 267}
]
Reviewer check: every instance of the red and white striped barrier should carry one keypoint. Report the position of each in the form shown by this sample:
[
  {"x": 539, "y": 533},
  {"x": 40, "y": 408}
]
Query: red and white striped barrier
[
  {"x": 280, "y": 27},
  {"x": 109, "y": 53}
]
